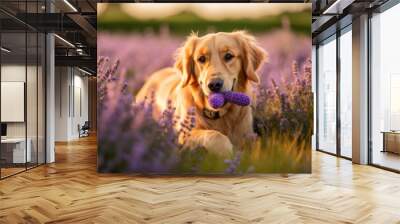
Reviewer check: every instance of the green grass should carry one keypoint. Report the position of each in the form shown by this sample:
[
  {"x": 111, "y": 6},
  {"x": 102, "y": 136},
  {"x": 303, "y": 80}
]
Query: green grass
[{"x": 277, "y": 153}]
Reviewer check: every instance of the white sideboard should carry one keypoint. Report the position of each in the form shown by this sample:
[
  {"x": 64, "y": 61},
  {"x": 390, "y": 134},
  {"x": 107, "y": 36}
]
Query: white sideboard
[
  {"x": 391, "y": 142},
  {"x": 18, "y": 144}
]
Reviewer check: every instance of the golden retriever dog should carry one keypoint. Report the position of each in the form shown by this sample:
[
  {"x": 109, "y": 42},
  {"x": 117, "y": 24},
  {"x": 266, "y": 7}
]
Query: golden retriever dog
[{"x": 211, "y": 63}]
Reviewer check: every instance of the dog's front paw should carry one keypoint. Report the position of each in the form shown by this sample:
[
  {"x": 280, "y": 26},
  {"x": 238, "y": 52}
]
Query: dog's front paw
[
  {"x": 212, "y": 141},
  {"x": 219, "y": 144}
]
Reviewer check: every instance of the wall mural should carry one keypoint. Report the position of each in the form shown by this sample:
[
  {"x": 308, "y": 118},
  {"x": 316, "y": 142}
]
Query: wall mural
[{"x": 204, "y": 88}]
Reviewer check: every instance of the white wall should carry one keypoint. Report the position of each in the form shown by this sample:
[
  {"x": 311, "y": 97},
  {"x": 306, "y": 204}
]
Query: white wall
[
  {"x": 62, "y": 80},
  {"x": 13, "y": 73},
  {"x": 71, "y": 93}
]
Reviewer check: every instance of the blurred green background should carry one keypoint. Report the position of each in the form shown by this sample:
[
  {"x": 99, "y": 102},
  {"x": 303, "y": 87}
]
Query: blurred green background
[{"x": 113, "y": 19}]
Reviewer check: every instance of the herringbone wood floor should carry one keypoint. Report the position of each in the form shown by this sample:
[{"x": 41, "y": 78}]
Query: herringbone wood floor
[{"x": 70, "y": 191}]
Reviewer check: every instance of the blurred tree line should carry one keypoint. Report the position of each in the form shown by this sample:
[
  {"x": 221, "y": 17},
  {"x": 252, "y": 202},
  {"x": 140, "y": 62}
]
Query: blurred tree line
[{"x": 114, "y": 19}]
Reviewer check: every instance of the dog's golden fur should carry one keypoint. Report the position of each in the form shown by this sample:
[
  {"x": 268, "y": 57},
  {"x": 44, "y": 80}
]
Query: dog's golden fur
[{"x": 185, "y": 86}]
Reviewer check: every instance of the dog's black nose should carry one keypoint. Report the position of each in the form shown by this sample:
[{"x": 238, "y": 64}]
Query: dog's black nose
[{"x": 215, "y": 85}]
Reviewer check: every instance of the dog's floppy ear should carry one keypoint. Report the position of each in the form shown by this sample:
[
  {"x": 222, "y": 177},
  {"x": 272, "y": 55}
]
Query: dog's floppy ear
[
  {"x": 184, "y": 59},
  {"x": 253, "y": 56}
]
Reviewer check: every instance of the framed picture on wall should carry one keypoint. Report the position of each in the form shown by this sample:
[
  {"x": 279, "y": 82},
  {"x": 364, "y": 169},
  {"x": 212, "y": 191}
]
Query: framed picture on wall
[
  {"x": 12, "y": 101},
  {"x": 204, "y": 88}
]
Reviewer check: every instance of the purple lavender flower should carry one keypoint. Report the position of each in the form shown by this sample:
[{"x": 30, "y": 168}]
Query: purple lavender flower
[
  {"x": 233, "y": 163},
  {"x": 130, "y": 140}
]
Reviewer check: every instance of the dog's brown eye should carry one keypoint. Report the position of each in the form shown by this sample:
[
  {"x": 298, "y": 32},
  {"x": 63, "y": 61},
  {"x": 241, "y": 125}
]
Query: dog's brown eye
[
  {"x": 228, "y": 56},
  {"x": 202, "y": 59}
]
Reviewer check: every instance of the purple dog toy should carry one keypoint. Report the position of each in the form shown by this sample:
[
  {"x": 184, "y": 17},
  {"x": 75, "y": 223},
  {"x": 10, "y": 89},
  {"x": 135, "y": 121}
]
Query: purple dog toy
[{"x": 217, "y": 100}]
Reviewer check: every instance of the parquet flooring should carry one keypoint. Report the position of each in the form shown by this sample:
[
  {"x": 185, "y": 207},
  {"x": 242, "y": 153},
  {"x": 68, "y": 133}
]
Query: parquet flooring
[
  {"x": 70, "y": 191},
  {"x": 10, "y": 171}
]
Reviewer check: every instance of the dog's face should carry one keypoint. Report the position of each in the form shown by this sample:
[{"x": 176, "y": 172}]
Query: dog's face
[{"x": 219, "y": 62}]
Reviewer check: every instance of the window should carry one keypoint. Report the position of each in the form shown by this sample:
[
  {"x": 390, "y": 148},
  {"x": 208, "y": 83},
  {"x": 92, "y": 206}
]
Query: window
[
  {"x": 22, "y": 77},
  {"x": 346, "y": 75},
  {"x": 327, "y": 96},
  {"x": 385, "y": 89}
]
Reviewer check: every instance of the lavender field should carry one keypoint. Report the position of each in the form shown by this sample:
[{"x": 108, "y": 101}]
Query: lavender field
[
  {"x": 145, "y": 53},
  {"x": 131, "y": 141}
]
